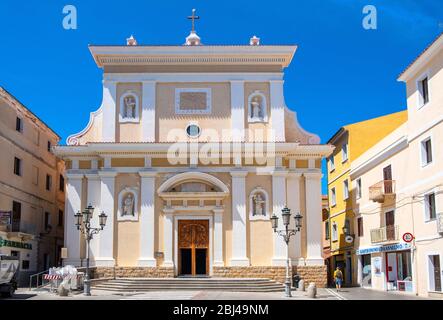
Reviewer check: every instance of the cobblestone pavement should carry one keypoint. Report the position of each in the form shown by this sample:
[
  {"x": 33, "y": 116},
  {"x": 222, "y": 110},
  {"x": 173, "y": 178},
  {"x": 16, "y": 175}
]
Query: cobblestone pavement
[
  {"x": 369, "y": 294},
  {"x": 322, "y": 294},
  {"x": 25, "y": 294}
]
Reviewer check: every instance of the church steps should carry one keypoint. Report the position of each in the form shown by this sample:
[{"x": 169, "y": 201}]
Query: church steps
[{"x": 140, "y": 285}]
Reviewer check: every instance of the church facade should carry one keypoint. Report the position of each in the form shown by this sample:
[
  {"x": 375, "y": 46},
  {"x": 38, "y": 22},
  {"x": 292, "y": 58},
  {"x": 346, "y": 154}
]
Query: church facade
[{"x": 191, "y": 152}]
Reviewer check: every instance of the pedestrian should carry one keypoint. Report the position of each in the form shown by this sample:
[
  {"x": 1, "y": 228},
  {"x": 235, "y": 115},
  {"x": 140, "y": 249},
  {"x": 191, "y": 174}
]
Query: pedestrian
[{"x": 338, "y": 277}]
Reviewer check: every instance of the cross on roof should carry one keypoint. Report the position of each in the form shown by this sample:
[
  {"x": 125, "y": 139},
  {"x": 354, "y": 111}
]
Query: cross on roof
[{"x": 193, "y": 18}]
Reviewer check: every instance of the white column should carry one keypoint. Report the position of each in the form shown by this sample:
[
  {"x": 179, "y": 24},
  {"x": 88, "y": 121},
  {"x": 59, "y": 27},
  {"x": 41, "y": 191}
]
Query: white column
[
  {"x": 277, "y": 109},
  {"x": 293, "y": 203},
  {"x": 93, "y": 198},
  {"x": 168, "y": 243},
  {"x": 278, "y": 203},
  {"x": 237, "y": 110},
  {"x": 218, "y": 237},
  {"x": 73, "y": 204},
  {"x": 147, "y": 220},
  {"x": 148, "y": 111},
  {"x": 109, "y": 111},
  {"x": 313, "y": 219},
  {"x": 106, "y": 244},
  {"x": 239, "y": 238}
]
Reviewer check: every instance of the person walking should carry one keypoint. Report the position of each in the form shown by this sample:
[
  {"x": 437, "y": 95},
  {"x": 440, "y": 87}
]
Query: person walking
[{"x": 338, "y": 277}]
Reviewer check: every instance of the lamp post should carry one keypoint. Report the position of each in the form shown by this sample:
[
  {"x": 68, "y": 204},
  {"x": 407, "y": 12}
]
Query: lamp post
[
  {"x": 286, "y": 233},
  {"x": 83, "y": 223}
]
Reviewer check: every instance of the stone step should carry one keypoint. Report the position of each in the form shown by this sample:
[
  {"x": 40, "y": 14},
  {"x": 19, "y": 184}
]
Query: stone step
[{"x": 159, "y": 284}]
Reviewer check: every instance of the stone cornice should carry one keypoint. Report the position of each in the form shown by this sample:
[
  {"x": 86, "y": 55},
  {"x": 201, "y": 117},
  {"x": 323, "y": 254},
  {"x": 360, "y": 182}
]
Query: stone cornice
[
  {"x": 192, "y": 55},
  {"x": 107, "y": 173}
]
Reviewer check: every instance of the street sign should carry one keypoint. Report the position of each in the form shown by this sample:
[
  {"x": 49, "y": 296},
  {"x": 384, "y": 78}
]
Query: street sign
[{"x": 408, "y": 237}]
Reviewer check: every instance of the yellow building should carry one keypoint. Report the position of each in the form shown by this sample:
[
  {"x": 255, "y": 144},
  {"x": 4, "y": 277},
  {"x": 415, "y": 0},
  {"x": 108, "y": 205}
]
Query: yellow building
[
  {"x": 350, "y": 142},
  {"x": 31, "y": 189}
]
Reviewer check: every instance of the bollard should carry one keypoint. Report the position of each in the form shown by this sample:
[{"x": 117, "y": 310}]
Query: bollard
[
  {"x": 301, "y": 285},
  {"x": 62, "y": 291},
  {"x": 312, "y": 290}
]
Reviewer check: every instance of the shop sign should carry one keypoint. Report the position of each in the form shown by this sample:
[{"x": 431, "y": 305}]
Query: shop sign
[
  {"x": 15, "y": 244},
  {"x": 5, "y": 217},
  {"x": 391, "y": 247}
]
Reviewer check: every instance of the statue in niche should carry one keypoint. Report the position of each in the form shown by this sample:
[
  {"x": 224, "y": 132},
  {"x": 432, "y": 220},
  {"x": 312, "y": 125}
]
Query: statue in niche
[
  {"x": 259, "y": 203},
  {"x": 130, "y": 105},
  {"x": 128, "y": 205},
  {"x": 256, "y": 108}
]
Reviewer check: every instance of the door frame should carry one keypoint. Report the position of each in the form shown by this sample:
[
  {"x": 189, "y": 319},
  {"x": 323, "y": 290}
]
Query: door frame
[
  {"x": 428, "y": 264},
  {"x": 211, "y": 235}
]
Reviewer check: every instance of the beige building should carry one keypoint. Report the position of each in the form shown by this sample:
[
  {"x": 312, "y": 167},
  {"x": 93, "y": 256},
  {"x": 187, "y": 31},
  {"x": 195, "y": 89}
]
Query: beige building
[
  {"x": 398, "y": 187},
  {"x": 31, "y": 189},
  {"x": 191, "y": 152}
]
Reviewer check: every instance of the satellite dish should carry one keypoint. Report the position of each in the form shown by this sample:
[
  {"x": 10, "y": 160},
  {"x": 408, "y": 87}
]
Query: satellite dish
[{"x": 349, "y": 239}]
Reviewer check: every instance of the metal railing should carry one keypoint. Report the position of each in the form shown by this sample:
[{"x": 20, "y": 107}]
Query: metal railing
[
  {"x": 378, "y": 191},
  {"x": 384, "y": 234},
  {"x": 41, "y": 282}
]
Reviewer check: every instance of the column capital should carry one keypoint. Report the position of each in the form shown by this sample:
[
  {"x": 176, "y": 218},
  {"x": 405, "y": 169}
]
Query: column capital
[
  {"x": 168, "y": 210},
  {"x": 279, "y": 81},
  {"x": 92, "y": 176},
  {"x": 313, "y": 175},
  {"x": 107, "y": 173},
  {"x": 74, "y": 175},
  {"x": 239, "y": 173},
  {"x": 218, "y": 210},
  {"x": 279, "y": 173},
  {"x": 294, "y": 175},
  {"x": 147, "y": 173}
]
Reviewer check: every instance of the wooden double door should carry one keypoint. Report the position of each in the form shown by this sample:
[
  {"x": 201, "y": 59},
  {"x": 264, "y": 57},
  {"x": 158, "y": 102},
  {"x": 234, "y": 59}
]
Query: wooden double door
[{"x": 193, "y": 247}]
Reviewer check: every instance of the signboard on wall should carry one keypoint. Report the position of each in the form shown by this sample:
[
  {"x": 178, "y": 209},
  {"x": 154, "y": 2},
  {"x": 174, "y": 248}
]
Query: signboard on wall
[
  {"x": 5, "y": 217},
  {"x": 15, "y": 244},
  {"x": 391, "y": 247}
]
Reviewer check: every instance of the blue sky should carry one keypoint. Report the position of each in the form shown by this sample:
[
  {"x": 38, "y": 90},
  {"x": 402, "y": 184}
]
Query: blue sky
[{"x": 340, "y": 74}]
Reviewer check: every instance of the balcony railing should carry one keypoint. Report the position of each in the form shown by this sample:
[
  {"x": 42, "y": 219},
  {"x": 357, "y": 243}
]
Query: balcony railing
[
  {"x": 382, "y": 190},
  {"x": 384, "y": 234}
]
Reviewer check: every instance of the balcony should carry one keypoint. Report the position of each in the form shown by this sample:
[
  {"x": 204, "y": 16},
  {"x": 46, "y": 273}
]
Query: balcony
[
  {"x": 382, "y": 191},
  {"x": 384, "y": 234}
]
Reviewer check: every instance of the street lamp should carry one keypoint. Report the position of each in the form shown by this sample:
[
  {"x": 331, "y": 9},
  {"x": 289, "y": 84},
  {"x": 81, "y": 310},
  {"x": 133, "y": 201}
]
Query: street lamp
[
  {"x": 286, "y": 234},
  {"x": 83, "y": 223}
]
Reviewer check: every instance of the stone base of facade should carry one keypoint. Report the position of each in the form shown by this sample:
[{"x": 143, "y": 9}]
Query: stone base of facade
[
  {"x": 133, "y": 272},
  {"x": 317, "y": 274}
]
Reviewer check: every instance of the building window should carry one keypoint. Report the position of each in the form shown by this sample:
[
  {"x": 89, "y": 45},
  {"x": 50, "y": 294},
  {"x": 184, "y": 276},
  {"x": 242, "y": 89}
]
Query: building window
[
  {"x": 430, "y": 210},
  {"x": 16, "y": 216},
  {"x": 333, "y": 200},
  {"x": 60, "y": 218},
  {"x": 426, "y": 152},
  {"x": 358, "y": 188},
  {"x": 17, "y": 166},
  {"x": 327, "y": 235},
  {"x": 193, "y": 130},
  {"x": 331, "y": 164},
  {"x": 35, "y": 175},
  {"x": 25, "y": 264},
  {"x": 47, "y": 220},
  {"x": 48, "y": 182},
  {"x": 347, "y": 227},
  {"x": 49, "y": 146},
  {"x": 19, "y": 125},
  {"x": 334, "y": 232},
  {"x": 360, "y": 226},
  {"x": 423, "y": 91},
  {"x": 61, "y": 185},
  {"x": 344, "y": 152},
  {"x": 345, "y": 190}
]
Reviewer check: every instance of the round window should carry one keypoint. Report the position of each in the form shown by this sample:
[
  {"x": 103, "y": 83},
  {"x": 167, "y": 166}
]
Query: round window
[{"x": 193, "y": 130}]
